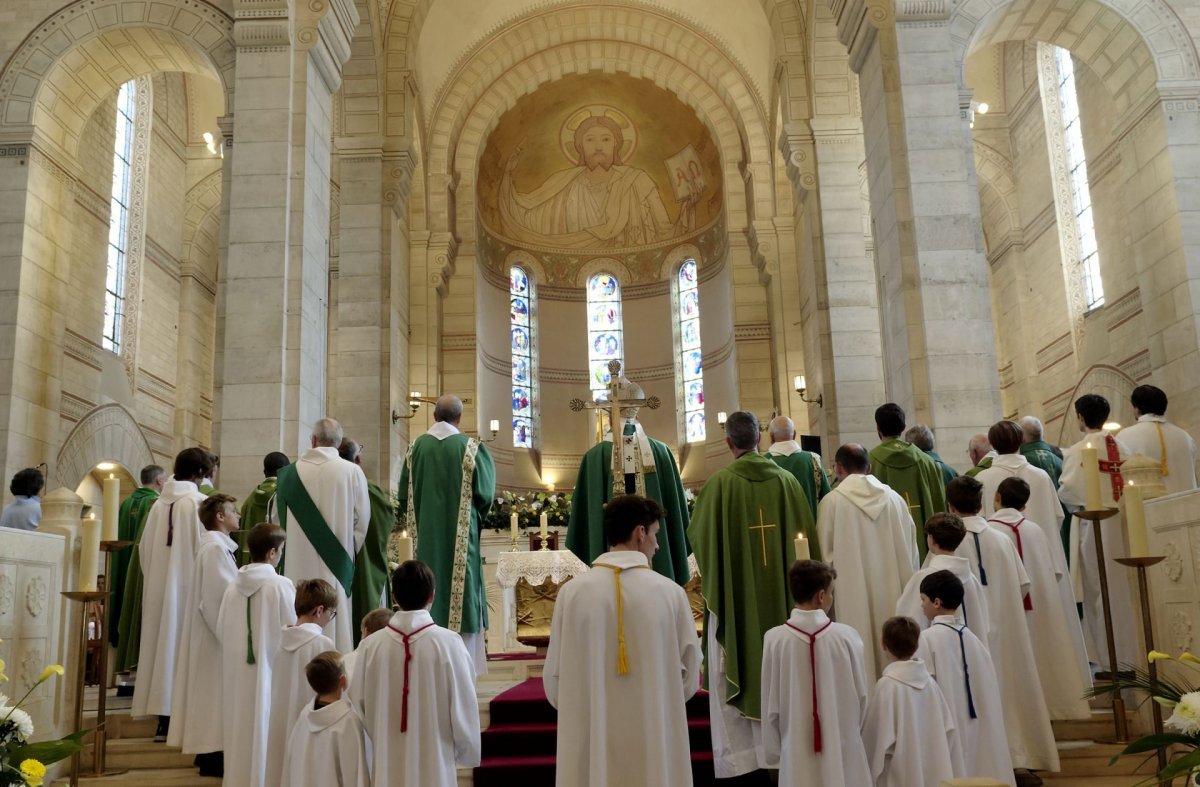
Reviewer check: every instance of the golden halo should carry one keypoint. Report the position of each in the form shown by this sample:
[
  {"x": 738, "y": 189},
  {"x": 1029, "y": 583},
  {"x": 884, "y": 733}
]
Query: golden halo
[{"x": 566, "y": 134}]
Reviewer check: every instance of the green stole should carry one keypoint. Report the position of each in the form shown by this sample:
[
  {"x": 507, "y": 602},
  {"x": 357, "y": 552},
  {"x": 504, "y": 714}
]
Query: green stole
[
  {"x": 370, "y": 567},
  {"x": 292, "y": 496},
  {"x": 984, "y": 464}
]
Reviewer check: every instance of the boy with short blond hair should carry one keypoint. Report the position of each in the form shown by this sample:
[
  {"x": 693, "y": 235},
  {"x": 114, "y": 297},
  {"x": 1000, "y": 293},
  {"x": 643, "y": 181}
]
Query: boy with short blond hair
[
  {"x": 327, "y": 746},
  {"x": 375, "y": 620}
]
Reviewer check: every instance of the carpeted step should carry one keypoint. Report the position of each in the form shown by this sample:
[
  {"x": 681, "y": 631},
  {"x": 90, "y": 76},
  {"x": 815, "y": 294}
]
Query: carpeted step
[
  {"x": 527, "y": 739},
  {"x": 524, "y": 703},
  {"x": 508, "y": 771}
]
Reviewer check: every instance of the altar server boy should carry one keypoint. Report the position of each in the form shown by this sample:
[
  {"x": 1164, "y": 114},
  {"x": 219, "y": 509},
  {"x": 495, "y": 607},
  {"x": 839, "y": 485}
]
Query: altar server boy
[
  {"x": 943, "y": 535},
  {"x": 254, "y": 610},
  {"x": 328, "y": 745},
  {"x": 414, "y": 686},
  {"x": 901, "y": 753},
  {"x": 814, "y": 689},
  {"x": 964, "y": 672},
  {"x": 375, "y": 620},
  {"x": 316, "y": 607}
]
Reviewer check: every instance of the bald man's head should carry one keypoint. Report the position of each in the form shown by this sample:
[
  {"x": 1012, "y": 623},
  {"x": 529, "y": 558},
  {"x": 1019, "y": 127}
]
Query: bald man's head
[
  {"x": 978, "y": 448},
  {"x": 449, "y": 408},
  {"x": 782, "y": 429},
  {"x": 851, "y": 459},
  {"x": 327, "y": 433}
]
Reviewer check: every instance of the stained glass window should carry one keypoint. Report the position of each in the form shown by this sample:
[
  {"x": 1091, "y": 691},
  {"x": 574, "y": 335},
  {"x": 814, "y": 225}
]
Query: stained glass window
[
  {"x": 114, "y": 279},
  {"x": 521, "y": 327},
  {"x": 605, "y": 340},
  {"x": 691, "y": 362}
]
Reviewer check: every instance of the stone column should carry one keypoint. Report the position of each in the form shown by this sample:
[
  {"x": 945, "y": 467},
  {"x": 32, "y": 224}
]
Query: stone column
[{"x": 61, "y": 510}]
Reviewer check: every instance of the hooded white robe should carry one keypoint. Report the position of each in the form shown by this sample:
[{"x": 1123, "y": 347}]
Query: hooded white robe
[
  {"x": 443, "y": 712},
  {"x": 993, "y": 556},
  {"x": 339, "y": 490},
  {"x": 984, "y": 744},
  {"x": 629, "y": 728},
  {"x": 268, "y": 600},
  {"x": 1166, "y": 444},
  {"x": 789, "y": 742},
  {"x": 327, "y": 748},
  {"x": 1043, "y": 505},
  {"x": 867, "y": 534},
  {"x": 909, "y": 730},
  {"x": 196, "y": 712},
  {"x": 974, "y": 610},
  {"x": 167, "y": 577},
  {"x": 1054, "y": 627},
  {"x": 290, "y": 691}
]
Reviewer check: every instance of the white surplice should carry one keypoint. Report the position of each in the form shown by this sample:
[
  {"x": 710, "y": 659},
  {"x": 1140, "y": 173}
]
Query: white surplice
[
  {"x": 788, "y": 729},
  {"x": 328, "y": 747},
  {"x": 867, "y": 534},
  {"x": 1053, "y": 624},
  {"x": 290, "y": 691},
  {"x": 196, "y": 711},
  {"x": 339, "y": 490},
  {"x": 909, "y": 729},
  {"x": 254, "y": 610},
  {"x": 443, "y": 713},
  {"x": 974, "y": 609},
  {"x": 1043, "y": 505},
  {"x": 167, "y": 573},
  {"x": 993, "y": 557},
  {"x": 1083, "y": 546},
  {"x": 967, "y": 687},
  {"x": 1165, "y": 443},
  {"x": 629, "y": 728}
]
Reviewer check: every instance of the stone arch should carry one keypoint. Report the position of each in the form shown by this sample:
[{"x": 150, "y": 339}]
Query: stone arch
[
  {"x": 996, "y": 175},
  {"x": 106, "y": 433},
  {"x": 54, "y": 80},
  {"x": 201, "y": 223},
  {"x": 1108, "y": 381}
]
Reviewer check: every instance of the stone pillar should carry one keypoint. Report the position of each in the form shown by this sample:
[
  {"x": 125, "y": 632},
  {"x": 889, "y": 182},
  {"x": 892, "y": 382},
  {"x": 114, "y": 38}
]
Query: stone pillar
[{"x": 61, "y": 511}]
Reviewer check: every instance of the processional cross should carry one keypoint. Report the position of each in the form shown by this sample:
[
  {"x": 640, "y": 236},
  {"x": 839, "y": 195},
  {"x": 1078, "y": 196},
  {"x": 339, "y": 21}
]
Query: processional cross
[
  {"x": 615, "y": 404},
  {"x": 762, "y": 528}
]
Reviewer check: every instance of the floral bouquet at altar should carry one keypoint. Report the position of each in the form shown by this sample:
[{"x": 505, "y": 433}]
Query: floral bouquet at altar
[
  {"x": 1181, "y": 736},
  {"x": 23, "y": 763},
  {"x": 529, "y": 508}
]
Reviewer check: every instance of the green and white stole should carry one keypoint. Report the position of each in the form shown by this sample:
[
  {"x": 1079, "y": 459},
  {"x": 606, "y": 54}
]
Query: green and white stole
[{"x": 291, "y": 495}]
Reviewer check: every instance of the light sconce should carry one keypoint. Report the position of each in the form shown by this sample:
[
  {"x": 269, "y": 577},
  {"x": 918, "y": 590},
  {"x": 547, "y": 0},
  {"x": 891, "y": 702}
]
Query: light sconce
[
  {"x": 801, "y": 388},
  {"x": 414, "y": 402},
  {"x": 494, "y": 428},
  {"x": 721, "y": 419}
]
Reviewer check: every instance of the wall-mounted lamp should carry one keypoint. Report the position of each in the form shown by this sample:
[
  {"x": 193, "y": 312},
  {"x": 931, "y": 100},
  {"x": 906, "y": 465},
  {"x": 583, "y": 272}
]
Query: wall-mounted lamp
[
  {"x": 801, "y": 387},
  {"x": 494, "y": 428},
  {"x": 414, "y": 402}
]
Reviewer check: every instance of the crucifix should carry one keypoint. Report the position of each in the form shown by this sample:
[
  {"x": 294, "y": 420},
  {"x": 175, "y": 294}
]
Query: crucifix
[
  {"x": 762, "y": 527},
  {"x": 612, "y": 402},
  {"x": 625, "y": 453}
]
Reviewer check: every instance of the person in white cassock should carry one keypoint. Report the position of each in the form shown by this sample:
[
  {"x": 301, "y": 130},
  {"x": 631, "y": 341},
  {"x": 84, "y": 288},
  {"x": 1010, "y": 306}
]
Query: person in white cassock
[
  {"x": 1052, "y": 627},
  {"x": 909, "y": 729},
  {"x": 414, "y": 686},
  {"x": 375, "y": 620},
  {"x": 867, "y": 534},
  {"x": 814, "y": 689},
  {"x": 167, "y": 551},
  {"x": 623, "y": 659},
  {"x": 195, "y": 704},
  {"x": 995, "y": 563},
  {"x": 328, "y": 745},
  {"x": 959, "y": 662},
  {"x": 324, "y": 504},
  {"x": 1173, "y": 448},
  {"x": 944, "y": 533},
  {"x": 299, "y": 643},
  {"x": 254, "y": 610},
  {"x": 1091, "y": 411}
]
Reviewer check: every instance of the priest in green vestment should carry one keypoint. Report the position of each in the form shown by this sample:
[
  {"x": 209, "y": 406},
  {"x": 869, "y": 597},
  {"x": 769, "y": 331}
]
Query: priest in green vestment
[
  {"x": 370, "y": 565},
  {"x": 742, "y": 532},
  {"x": 907, "y": 470},
  {"x": 921, "y": 436},
  {"x": 648, "y": 469},
  {"x": 1041, "y": 454},
  {"x": 981, "y": 453},
  {"x": 259, "y": 505},
  {"x": 132, "y": 515},
  {"x": 447, "y": 487},
  {"x": 805, "y": 466}
]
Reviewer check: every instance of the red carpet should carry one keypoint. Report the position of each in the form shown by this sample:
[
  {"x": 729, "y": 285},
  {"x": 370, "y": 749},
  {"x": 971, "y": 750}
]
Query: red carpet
[{"x": 519, "y": 744}]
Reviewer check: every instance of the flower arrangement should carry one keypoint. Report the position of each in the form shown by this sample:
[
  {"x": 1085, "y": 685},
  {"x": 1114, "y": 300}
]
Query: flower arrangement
[
  {"x": 529, "y": 508},
  {"x": 23, "y": 763},
  {"x": 1181, "y": 736}
]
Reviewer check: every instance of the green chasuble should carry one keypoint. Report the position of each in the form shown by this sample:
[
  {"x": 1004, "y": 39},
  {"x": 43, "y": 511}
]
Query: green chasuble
[
  {"x": 915, "y": 477},
  {"x": 1039, "y": 455},
  {"x": 810, "y": 474},
  {"x": 436, "y": 478},
  {"x": 984, "y": 464},
  {"x": 370, "y": 567},
  {"x": 593, "y": 488},
  {"x": 948, "y": 472},
  {"x": 743, "y": 528},
  {"x": 127, "y": 573},
  {"x": 254, "y": 511}
]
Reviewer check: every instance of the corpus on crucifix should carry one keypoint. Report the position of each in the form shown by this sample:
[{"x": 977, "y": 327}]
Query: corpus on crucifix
[{"x": 638, "y": 465}]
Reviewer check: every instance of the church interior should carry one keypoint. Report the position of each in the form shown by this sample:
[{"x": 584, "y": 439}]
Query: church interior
[{"x": 222, "y": 220}]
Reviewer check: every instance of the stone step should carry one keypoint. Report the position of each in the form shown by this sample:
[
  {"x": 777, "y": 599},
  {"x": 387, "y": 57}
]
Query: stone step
[
  {"x": 142, "y": 754},
  {"x": 1100, "y": 725},
  {"x": 1084, "y": 758},
  {"x": 166, "y": 777}
]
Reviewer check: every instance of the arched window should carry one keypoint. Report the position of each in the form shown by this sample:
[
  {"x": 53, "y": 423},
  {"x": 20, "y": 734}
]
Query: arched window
[
  {"x": 520, "y": 301},
  {"x": 605, "y": 340},
  {"x": 118, "y": 223},
  {"x": 690, "y": 369}
]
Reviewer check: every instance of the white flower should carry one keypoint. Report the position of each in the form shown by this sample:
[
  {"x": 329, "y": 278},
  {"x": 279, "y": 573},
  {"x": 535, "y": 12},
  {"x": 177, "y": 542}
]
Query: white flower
[{"x": 1186, "y": 718}]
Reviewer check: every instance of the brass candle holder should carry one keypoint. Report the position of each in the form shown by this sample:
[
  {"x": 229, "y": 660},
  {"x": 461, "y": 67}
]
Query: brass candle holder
[
  {"x": 1120, "y": 722},
  {"x": 86, "y": 599},
  {"x": 1141, "y": 564}
]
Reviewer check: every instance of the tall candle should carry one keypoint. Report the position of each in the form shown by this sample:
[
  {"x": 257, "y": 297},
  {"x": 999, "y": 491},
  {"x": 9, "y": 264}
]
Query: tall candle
[
  {"x": 89, "y": 553},
  {"x": 112, "y": 504},
  {"x": 1091, "y": 478},
  {"x": 1135, "y": 521},
  {"x": 802, "y": 552},
  {"x": 405, "y": 546},
  {"x": 544, "y": 521},
  {"x": 512, "y": 523}
]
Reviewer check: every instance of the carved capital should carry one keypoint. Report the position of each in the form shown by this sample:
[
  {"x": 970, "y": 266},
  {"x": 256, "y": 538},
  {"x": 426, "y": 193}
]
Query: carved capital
[
  {"x": 796, "y": 145},
  {"x": 324, "y": 28},
  {"x": 443, "y": 249},
  {"x": 922, "y": 11},
  {"x": 397, "y": 181}
]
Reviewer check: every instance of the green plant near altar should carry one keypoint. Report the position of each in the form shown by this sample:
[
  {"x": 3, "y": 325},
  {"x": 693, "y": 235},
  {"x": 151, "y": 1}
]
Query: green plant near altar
[
  {"x": 23, "y": 763},
  {"x": 529, "y": 508},
  {"x": 1181, "y": 736}
]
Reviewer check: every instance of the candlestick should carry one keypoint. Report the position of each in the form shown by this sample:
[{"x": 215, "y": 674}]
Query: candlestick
[
  {"x": 1135, "y": 520},
  {"x": 112, "y": 504},
  {"x": 544, "y": 528},
  {"x": 404, "y": 546},
  {"x": 89, "y": 554},
  {"x": 802, "y": 552},
  {"x": 1091, "y": 478}
]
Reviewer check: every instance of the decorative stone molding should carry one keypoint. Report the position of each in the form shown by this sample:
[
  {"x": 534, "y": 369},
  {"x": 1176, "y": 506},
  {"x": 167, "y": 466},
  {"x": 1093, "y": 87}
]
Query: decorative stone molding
[
  {"x": 1123, "y": 309},
  {"x": 1056, "y": 406},
  {"x": 398, "y": 183},
  {"x": 1007, "y": 378},
  {"x": 135, "y": 231},
  {"x": 109, "y": 432},
  {"x": 82, "y": 349},
  {"x": 908, "y": 11},
  {"x": 156, "y": 387},
  {"x": 796, "y": 145},
  {"x": 1057, "y": 350},
  {"x": 1137, "y": 366},
  {"x": 459, "y": 342},
  {"x": 73, "y": 407},
  {"x": 757, "y": 331},
  {"x": 93, "y": 203}
]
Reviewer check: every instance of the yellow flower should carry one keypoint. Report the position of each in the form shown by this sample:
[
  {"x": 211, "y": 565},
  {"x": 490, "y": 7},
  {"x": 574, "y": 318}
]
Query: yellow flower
[
  {"x": 1188, "y": 658},
  {"x": 2, "y": 675},
  {"x": 1158, "y": 655},
  {"x": 53, "y": 669},
  {"x": 33, "y": 772}
]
